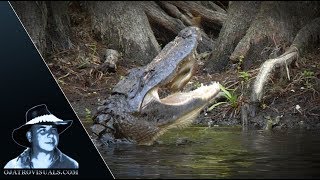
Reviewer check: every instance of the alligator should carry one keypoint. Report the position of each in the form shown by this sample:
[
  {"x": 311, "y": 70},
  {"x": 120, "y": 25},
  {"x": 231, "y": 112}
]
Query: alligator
[{"x": 137, "y": 113}]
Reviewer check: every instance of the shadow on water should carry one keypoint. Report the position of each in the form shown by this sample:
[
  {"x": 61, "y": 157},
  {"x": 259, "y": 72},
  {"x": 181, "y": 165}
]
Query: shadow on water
[{"x": 219, "y": 153}]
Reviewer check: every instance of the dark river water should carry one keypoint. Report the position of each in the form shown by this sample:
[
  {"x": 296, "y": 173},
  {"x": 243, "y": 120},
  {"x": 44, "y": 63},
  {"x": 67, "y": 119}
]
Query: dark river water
[{"x": 219, "y": 153}]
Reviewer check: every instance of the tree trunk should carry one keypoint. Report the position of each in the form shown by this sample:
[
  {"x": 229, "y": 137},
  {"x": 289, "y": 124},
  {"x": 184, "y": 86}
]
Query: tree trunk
[
  {"x": 58, "y": 25},
  {"x": 47, "y": 23},
  {"x": 274, "y": 29},
  {"x": 270, "y": 33},
  {"x": 33, "y": 15},
  {"x": 124, "y": 26},
  {"x": 240, "y": 16}
]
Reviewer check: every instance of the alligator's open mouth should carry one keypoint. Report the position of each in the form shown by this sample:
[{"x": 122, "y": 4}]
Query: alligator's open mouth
[
  {"x": 198, "y": 97},
  {"x": 173, "y": 83},
  {"x": 178, "y": 109},
  {"x": 180, "y": 103},
  {"x": 172, "y": 68}
]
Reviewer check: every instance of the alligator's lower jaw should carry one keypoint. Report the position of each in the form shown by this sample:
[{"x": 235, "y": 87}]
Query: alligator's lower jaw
[
  {"x": 178, "y": 110},
  {"x": 203, "y": 93}
]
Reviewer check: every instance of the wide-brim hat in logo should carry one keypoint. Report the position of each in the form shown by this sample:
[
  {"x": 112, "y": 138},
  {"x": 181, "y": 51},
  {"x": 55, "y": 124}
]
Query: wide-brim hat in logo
[{"x": 38, "y": 115}]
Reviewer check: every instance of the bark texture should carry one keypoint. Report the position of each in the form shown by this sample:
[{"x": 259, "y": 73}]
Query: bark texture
[
  {"x": 47, "y": 23},
  {"x": 124, "y": 26},
  {"x": 59, "y": 31},
  {"x": 271, "y": 30},
  {"x": 240, "y": 16},
  {"x": 33, "y": 15}
]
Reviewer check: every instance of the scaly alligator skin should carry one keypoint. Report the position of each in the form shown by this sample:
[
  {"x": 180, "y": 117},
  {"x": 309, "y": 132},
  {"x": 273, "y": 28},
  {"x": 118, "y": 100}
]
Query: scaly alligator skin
[{"x": 135, "y": 112}]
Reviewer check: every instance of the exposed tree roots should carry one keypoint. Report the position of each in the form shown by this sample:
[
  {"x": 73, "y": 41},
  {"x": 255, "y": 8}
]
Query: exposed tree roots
[
  {"x": 167, "y": 18},
  {"x": 305, "y": 38}
]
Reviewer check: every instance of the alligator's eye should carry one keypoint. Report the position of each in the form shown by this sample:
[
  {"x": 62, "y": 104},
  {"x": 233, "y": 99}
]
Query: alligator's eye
[{"x": 185, "y": 72}]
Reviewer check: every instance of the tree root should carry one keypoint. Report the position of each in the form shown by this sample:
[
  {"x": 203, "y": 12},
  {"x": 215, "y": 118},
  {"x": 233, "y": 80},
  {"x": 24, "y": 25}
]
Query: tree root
[
  {"x": 265, "y": 72},
  {"x": 159, "y": 18},
  {"x": 240, "y": 15},
  {"x": 172, "y": 10},
  {"x": 268, "y": 35},
  {"x": 167, "y": 21},
  {"x": 213, "y": 6},
  {"x": 306, "y": 37},
  {"x": 214, "y": 18}
]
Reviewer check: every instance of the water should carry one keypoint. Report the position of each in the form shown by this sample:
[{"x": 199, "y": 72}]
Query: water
[{"x": 220, "y": 153}]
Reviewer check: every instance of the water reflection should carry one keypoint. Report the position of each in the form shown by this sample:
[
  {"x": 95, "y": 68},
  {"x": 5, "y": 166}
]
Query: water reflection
[{"x": 220, "y": 153}]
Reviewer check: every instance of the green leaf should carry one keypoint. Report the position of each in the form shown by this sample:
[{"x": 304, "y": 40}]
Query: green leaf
[
  {"x": 227, "y": 93},
  {"x": 215, "y": 105}
]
